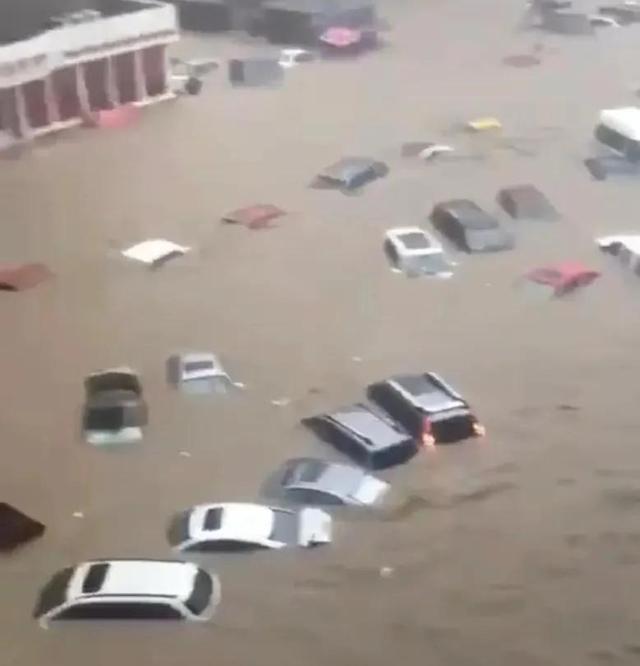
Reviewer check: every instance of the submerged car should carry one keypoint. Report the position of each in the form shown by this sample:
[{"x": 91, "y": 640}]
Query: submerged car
[
  {"x": 562, "y": 278},
  {"x": 366, "y": 436},
  {"x": 470, "y": 227},
  {"x": 129, "y": 590},
  {"x": 115, "y": 410},
  {"x": 526, "y": 202},
  {"x": 198, "y": 372},
  {"x": 313, "y": 481},
  {"x": 619, "y": 131},
  {"x": 414, "y": 252},
  {"x": 427, "y": 407},
  {"x": 351, "y": 173},
  {"x": 242, "y": 526},
  {"x": 626, "y": 247}
]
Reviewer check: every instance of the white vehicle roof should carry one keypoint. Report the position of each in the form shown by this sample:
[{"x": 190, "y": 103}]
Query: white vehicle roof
[
  {"x": 624, "y": 120},
  {"x": 630, "y": 241},
  {"x": 238, "y": 521},
  {"x": 210, "y": 365},
  {"x": 137, "y": 577},
  {"x": 396, "y": 234}
]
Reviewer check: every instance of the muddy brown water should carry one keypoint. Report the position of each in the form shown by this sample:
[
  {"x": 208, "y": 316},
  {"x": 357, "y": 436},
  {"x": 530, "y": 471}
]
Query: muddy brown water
[{"x": 523, "y": 548}]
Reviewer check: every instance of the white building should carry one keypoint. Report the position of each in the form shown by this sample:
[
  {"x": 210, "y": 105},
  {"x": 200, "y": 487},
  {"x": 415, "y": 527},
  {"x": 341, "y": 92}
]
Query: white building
[{"x": 110, "y": 54}]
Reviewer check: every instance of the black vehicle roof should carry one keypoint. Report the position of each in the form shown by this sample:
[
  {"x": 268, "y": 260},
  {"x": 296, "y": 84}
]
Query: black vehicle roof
[
  {"x": 469, "y": 214},
  {"x": 374, "y": 429}
]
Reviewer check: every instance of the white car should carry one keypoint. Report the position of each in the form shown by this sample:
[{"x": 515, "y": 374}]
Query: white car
[
  {"x": 626, "y": 247},
  {"x": 413, "y": 251},
  {"x": 198, "y": 372},
  {"x": 238, "y": 526},
  {"x": 128, "y": 590}
]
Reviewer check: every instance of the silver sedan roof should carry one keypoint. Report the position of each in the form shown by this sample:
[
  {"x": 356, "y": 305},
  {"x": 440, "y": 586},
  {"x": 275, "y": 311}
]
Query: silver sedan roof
[{"x": 349, "y": 484}]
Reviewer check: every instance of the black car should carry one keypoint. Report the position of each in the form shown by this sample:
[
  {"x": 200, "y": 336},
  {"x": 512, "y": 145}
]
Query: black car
[
  {"x": 367, "y": 437},
  {"x": 350, "y": 174},
  {"x": 427, "y": 407},
  {"x": 114, "y": 409},
  {"x": 469, "y": 227}
]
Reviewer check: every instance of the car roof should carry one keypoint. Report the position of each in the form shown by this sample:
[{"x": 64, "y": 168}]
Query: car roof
[
  {"x": 378, "y": 432},
  {"x": 137, "y": 577},
  {"x": 231, "y": 520},
  {"x": 427, "y": 391},
  {"x": 329, "y": 477},
  {"x": 469, "y": 214},
  {"x": 348, "y": 167},
  {"x": 624, "y": 120},
  {"x": 399, "y": 235}
]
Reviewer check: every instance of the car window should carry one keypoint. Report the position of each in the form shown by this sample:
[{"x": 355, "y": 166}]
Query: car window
[
  {"x": 479, "y": 239},
  {"x": 285, "y": 527},
  {"x": 310, "y": 496},
  {"x": 119, "y": 611},
  {"x": 200, "y": 596},
  {"x": 95, "y": 578},
  {"x": 219, "y": 545},
  {"x": 213, "y": 519}
]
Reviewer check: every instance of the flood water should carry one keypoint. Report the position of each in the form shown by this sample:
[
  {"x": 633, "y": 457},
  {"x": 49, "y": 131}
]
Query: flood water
[{"x": 521, "y": 548}]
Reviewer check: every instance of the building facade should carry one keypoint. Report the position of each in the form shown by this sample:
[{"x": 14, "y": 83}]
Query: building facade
[{"x": 72, "y": 67}]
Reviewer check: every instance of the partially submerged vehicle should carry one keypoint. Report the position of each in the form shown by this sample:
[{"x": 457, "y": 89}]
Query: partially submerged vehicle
[
  {"x": 314, "y": 481},
  {"x": 562, "y": 278},
  {"x": 351, "y": 173},
  {"x": 155, "y": 252},
  {"x": 129, "y": 590},
  {"x": 115, "y": 410},
  {"x": 414, "y": 252},
  {"x": 526, "y": 202},
  {"x": 470, "y": 227},
  {"x": 625, "y": 247},
  {"x": 23, "y": 276},
  {"x": 241, "y": 526},
  {"x": 623, "y": 13},
  {"x": 427, "y": 407},
  {"x": 257, "y": 216},
  {"x": 369, "y": 438},
  {"x": 198, "y": 372},
  {"x": 619, "y": 131},
  {"x": 255, "y": 72}
]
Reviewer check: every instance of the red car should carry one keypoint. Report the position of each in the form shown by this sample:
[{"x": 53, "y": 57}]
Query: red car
[{"x": 564, "y": 277}]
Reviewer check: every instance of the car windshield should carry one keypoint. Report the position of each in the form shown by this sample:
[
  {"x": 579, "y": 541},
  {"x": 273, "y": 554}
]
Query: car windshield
[
  {"x": 198, "y": 366},
  {"x": 312, "y": 471},
  {"x": 179, "y": 529},
  {"x": 105, "y": 418},
  {"x": 285, "y": 527},
  {"x": 415, "y": 241},
  {"x": 200, "y": 597}
]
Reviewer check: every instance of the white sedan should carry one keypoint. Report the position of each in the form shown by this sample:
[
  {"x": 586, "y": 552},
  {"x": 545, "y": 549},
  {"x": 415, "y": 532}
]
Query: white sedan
[{"x": 237, "y": 526}]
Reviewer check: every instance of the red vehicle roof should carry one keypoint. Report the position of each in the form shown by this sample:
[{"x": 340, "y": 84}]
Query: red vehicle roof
[{"x": 563, "y": 277}]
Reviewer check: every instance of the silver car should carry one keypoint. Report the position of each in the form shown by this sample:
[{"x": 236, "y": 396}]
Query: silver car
[
  {"x": 198, "y": 372},
  {"x": 313, "y": 481}
]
